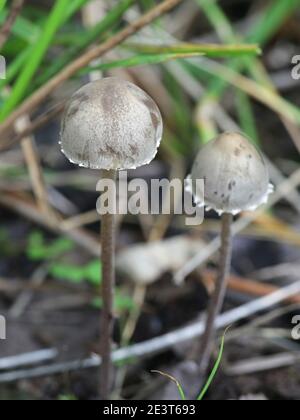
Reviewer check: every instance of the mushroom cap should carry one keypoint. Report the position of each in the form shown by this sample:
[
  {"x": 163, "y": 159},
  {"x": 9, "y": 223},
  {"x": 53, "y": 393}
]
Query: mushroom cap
[
  {"x": 111, "y": 124},
  {"x": 235, "y": 175}
]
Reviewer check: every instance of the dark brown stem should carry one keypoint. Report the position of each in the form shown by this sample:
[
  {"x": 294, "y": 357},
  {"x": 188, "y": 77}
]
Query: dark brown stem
[
  {"x": 108, "y": 286},
  {"x": 218, "y": 297}
]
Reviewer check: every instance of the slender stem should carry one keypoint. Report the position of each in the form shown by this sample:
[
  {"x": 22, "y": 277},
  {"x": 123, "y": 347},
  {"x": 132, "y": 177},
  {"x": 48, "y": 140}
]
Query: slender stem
[
  {"x": 108, "y": 285},
  {"x": 218, "y": 297}
]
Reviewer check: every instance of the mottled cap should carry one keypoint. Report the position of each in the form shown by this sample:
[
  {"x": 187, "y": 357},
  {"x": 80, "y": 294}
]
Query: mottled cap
[
  {"x": 235, "y": 175},
  {"x": 111, "y": 124}
]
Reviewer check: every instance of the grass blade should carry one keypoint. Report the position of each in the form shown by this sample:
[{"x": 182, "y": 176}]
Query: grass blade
[
  {"x": 179, "y": 387},
  {"x": 210, "y": 50},
  {"x": 270, "y": 22},
  {"x": 260, "y": 33},
  {"x": 23, "y": 28},
  {"x": 73, "y": 7},
  {"x": 138, "y": 60},
  {"x": 246, "y": 116},
  {"x": 2, "y": 4},
  {"x": 18, "y": 63},
  {"x": 29, "y": 31},
  {"x": 215, "y": 369},
  {"x": 261, "y": 93},
  {"x": 32, "y": 65},
  {"x": 112, "y": 17}
]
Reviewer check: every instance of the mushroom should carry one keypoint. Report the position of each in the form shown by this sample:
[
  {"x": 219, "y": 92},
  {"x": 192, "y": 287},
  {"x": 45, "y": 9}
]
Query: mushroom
[
  {"x": 110, "y": 125},
  {"x": 236, "y": 179}
]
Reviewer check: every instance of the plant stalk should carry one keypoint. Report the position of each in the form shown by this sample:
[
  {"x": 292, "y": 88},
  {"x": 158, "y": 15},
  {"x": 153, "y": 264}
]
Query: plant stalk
[
  {"x": 107, "y": 290},
  {"x": 218, "y": 297}
]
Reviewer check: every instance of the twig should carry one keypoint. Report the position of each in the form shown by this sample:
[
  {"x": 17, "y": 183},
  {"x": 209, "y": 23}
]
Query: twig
[
  {"x": 33, "y": 126},
  {"x": 163, "y": 342},
  {"x": 15, "y": 10},
  {"x": 80, "y": 220},
  {"x": 35, "y": 357},
  {"x": 42, "y": 93},
  {"x": 64, "y": 302},
  {"x": 260, "y": 320},
  {"x": 25, "y": 296},
  {"x": 262, "y": 364},
  {"x": 31, "y": 212},
  {"x": 246, "y": 286},
  {"x": 277, "y": 271},
  {"x": 35, "y": 171}
]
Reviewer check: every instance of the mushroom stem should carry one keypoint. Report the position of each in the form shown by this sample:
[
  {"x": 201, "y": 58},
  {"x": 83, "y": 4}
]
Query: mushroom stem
[
  {"x": 218, "y": 297},
  {"x": 107, "y": 289}
]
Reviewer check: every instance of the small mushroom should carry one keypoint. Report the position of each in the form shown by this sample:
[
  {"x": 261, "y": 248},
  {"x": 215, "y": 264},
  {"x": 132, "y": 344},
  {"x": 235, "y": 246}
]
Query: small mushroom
[
  {"x": 110, "y": 124},
  {"x": 235, "y": 179},
  {"x": 235, "y": 175}
]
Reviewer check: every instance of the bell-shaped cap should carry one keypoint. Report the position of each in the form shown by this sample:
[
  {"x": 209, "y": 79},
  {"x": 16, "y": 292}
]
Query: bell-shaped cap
[
  {"x": 111, "y": 124},
  {"x": 235, "y": 175}
]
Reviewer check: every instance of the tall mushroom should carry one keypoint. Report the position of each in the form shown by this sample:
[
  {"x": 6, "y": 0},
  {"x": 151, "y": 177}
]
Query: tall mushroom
[
  {"x": 110, "y": 125},
  {"x": 235, "y": 179}
]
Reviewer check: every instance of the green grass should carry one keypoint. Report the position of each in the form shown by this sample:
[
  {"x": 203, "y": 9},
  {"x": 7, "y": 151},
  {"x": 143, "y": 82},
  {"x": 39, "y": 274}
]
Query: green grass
[
  {"x": 214, "y": 371},
  {"x": 28, "y": 61},
  {"x": 211, "y": 50},
  {"x": 17, "y": 64},
  {"x": 138, "y": 60},
  {"x": 182, "y": 393},
  {"x": 23, "y": 28},
  {"x": 246, "y": 116},
  {"x": 52, "y": 253},
  {"x": 275, "y": 14},
  {"x": 39, "y": 250},
  {"x": 31, "y": 66},
  {"x": 2, "y": 4},
  {"x": 261, "y": 32},
  {"x": 77, "y": 274},
  {"x": 33, "y": 58},
  {"x": 95, "y": 34}
]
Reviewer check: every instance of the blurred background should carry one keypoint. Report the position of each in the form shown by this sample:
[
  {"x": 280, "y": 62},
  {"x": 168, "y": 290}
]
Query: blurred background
[{"x": 211, "y": 66}]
